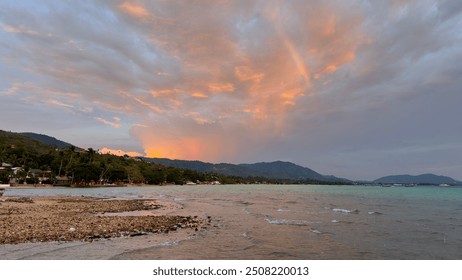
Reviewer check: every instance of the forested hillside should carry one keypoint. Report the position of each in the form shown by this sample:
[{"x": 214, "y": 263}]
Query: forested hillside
[{"x": 28, "y": 160}]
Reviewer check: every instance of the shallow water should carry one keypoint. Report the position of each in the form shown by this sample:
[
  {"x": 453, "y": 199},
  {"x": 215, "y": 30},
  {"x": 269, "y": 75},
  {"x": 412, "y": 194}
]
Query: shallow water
[{"x": 279, "y": 222}]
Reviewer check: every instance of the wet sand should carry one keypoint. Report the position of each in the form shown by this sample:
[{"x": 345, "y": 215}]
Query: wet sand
[{"x": 64, "y": 219}]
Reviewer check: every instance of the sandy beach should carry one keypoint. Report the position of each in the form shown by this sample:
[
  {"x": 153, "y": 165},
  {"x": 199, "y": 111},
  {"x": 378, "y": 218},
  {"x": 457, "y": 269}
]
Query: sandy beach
[{"x": 45, "y": 219}]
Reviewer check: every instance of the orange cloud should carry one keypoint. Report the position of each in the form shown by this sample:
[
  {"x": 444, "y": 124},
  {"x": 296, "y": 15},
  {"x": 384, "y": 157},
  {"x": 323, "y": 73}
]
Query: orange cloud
[
  {"x": 107, "y": 150},
  {"x": 188, "y": 148},
  {"x": 134, "y": 10},
  {"x": 187, "y": 140},
  {"x": 184, "y": 148},
  {"x": 245, "y": 73},
  {"x": 164, "y": 92},
  {"x": 299, "y": 63},
  {"x": 221, "y": 87},
  {"x": 147, "y": 104},
  {"x": 288, "y": 97},
  {"x": 199, "y": 95},
  {"x": 329, "y": 26},
  {"x": 59, "y": 103},
  {"x": 106, "y": 122},
  {"x": 329, "y": 69},
  {"x": 272, "y": 66}
]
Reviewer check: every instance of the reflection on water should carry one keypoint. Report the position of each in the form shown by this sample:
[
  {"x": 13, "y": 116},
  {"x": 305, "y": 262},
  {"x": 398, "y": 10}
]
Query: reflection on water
[{"x": 280, "y": 222}]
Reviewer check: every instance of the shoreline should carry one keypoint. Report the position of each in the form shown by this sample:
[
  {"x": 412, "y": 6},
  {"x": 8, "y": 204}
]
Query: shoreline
[
  {"x": 64, "y": 219},
  {"x": 32, "y": 186}
]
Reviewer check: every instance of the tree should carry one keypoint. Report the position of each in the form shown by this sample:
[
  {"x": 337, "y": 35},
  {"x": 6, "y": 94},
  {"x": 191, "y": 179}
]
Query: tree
[
  {"x": 134, "y": 174},
  {"x": 5, "y": 176},
  {"x": 154, "y": 175},
  {"x": 85, "y": 173}
]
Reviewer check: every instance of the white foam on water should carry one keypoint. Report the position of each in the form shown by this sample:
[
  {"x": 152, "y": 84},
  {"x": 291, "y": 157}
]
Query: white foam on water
[
  {"x": 346, "y": 211},
  {"x": 167, "y": 244},
  {"x": 289, "y": 222},
  {"x": 246, "y": 211}
]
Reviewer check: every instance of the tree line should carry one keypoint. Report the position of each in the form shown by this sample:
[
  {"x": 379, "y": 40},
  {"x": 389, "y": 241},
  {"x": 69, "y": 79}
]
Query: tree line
[
  {"x": 20, "y": 156},
  {"x": 85, "y": 167}
]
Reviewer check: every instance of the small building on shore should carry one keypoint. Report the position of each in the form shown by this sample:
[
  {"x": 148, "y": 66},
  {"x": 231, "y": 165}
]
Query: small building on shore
[
  {"x": 62, "y": 181},
  {"x": 40, "y": 176}
]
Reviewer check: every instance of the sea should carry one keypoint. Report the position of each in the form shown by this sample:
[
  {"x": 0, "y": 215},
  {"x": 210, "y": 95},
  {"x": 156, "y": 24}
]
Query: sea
[{"x": 275, "y": 222}]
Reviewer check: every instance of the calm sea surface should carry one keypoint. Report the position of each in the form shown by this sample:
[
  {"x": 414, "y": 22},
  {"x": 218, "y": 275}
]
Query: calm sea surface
[{"x": 278, "y": 222}]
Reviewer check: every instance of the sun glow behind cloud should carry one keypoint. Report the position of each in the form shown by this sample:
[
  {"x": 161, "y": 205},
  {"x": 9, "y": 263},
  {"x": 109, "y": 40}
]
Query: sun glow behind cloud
[
  {"x": 202, "y": 83},
  {"x": 242, "y": 68},
  {"x": 227, "y": 80},
  {"x": 106, "y": 150}
]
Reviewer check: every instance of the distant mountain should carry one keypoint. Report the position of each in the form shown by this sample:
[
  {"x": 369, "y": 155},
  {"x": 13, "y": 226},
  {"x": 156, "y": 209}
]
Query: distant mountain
[
  {"x": 51, "y": 141},
  {"x": 283, "y": 170},
  {"x": 430, "y": 179},
  {"x": 13, "y": 139},
  {"x": 270, "y": 170}
]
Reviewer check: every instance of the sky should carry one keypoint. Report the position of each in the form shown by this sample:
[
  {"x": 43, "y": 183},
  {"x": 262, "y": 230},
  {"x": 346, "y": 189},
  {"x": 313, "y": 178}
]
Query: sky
[{"x": 357, "y": 89}]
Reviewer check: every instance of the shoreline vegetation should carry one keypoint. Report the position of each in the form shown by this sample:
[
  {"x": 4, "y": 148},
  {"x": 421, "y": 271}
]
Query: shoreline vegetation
[
  {"x": 28, "y": 162},
  {"x": 64, "y": 219},
  {"x": 25, "y": 160}
]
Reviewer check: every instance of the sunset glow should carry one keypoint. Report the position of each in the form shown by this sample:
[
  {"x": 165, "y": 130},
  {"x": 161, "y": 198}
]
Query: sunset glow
[{"x": 314, "y": 82}]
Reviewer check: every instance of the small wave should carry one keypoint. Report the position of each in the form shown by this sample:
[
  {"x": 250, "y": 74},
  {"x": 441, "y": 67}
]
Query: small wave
[
  {"x": 243, "y": 202},
  {"x": 283, "y": 210},
  {"x": 174, "y": 242},
  {"x": 167, "y": 244},
  {"x": 246, "y": 235},
  {"x": 374, "y": 213},
  {"x": 334, "y": 221},
  {"x": 290, "y": 222},
  {"x": 316, "y": 231},
  {"x": 346, "y": 211}
]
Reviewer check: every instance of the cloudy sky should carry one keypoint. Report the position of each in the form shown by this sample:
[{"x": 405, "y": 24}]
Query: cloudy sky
[{"x": 358, "y": 89}]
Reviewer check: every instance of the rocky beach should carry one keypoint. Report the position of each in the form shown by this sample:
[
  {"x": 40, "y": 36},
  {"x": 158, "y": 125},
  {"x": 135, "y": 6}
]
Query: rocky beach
[{"x": 46, "y": 219}]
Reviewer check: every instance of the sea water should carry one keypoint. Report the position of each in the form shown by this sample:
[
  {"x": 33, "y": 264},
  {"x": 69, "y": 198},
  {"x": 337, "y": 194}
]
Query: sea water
[{"x": 278, "y": 222}]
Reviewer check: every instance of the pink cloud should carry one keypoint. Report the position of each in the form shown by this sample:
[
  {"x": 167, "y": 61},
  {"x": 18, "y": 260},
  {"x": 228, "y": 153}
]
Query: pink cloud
[
  {"x": 133, "y": 9},
  {"x": 107, "y": 150},
  {"x": 250, "y": 78},
  {"x": 106, "y": 122}
]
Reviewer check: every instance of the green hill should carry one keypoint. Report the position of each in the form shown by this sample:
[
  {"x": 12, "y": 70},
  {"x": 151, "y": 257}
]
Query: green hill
[
  {"x": 50, "y": 141},
  {"x": 34, "y": 155},
  {"x": 277, "y": 170},
  {"x": 19, "y": 144},
  {"x": 427, "y": 179}
]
